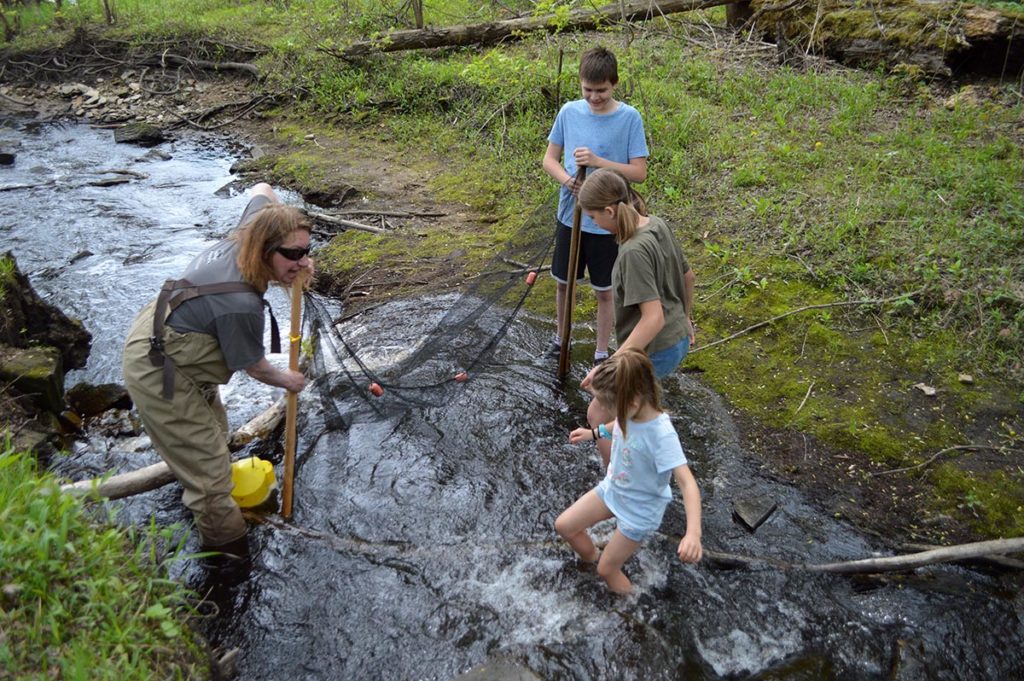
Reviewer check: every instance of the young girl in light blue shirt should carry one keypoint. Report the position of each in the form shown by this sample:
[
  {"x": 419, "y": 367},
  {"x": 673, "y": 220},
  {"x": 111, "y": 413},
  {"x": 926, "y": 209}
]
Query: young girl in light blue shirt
[{"x": 646, "y": 454}]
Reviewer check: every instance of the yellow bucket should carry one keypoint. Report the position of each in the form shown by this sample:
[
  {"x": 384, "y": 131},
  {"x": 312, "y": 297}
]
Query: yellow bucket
[{"x": 254, "y": 479}]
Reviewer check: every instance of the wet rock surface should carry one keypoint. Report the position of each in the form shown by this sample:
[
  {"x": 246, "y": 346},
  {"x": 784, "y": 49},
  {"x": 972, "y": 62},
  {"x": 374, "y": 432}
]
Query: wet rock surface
[
  {"x": 92, "y": 400},
  {"x": 26, "y": 319}
]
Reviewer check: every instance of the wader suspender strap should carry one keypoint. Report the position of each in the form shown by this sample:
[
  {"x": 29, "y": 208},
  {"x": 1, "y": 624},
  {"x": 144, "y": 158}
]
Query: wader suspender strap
[{"x": 173, "y": 293}]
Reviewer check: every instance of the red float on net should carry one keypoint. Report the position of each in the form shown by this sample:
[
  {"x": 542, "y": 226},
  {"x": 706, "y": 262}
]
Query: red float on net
[{"x": 376, "y": 389}]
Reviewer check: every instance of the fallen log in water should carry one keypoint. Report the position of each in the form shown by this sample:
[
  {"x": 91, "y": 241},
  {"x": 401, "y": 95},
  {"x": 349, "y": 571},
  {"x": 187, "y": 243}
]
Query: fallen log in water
[
  {"x": 945, "y": 554},
  {"x": 158, "y": 475}
]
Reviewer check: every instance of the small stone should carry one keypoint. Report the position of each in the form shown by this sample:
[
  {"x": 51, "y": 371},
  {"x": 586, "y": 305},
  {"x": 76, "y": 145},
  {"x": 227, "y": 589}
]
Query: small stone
[
  {"x": 136, "y": 444},
  {"x": 92, "y": 400},
  {"x": 12, "y": 592},
  {"x": 966, "y": 379},
  {"x": 926, "y": 389},
  {"x": 753, "y": 512},
  {"x": 140, "y": 134},
  {"x": 155, "y": 155}
]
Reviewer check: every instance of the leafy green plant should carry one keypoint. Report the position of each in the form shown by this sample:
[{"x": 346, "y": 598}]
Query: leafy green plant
[{"x": 86, "y": 599}]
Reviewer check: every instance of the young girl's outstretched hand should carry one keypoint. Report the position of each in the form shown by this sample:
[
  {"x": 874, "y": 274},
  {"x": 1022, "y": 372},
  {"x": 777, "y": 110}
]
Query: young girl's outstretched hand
[
  {"x": 581, "y": 435},
  {"x": 690, "y": 549}
]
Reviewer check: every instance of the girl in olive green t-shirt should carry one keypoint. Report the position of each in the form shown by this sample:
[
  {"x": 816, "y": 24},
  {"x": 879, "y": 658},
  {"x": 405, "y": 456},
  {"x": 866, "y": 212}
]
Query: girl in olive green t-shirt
[{"x": 652, "y": 281}]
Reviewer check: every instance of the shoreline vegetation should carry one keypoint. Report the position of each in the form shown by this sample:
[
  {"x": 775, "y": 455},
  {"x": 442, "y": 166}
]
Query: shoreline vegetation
[
  {"x": 858, "y": 234},
  {"x": 82, "y": 597}
]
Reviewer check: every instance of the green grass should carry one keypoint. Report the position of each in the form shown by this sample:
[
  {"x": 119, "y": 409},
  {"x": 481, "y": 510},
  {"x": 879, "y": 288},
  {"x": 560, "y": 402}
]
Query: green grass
[
  {"x": 6, "y": 275},
  {"x": 82, "y": 599}
]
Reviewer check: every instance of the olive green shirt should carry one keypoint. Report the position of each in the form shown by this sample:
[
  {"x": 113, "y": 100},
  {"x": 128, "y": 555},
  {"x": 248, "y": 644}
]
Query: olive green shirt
[{"x": 650, "y": 266}]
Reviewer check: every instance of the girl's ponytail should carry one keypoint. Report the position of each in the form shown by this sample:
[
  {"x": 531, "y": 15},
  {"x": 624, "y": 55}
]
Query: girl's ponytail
[
  {"x": 607, "y": 187},
  {"x": 625, "y": 378}
]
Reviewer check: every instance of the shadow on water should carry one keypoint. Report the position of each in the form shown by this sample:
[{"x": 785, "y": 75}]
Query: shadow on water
[{"x": 421, "y": 544}]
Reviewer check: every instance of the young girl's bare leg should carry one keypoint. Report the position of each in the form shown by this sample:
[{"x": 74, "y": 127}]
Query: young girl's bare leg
[
  {"x": 573, "y": 523},
  {"x": 615, "y": 555}
]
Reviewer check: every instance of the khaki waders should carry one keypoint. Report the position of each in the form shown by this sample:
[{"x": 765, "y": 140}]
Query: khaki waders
[{"x": 190, "y": 429}]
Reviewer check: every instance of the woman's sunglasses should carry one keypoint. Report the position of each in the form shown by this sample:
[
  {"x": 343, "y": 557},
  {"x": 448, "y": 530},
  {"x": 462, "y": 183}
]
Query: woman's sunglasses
[{"x": 294, "y": 254}]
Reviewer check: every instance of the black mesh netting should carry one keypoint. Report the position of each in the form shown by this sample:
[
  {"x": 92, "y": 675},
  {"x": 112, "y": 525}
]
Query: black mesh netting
[{"x": 459, "y": 331}]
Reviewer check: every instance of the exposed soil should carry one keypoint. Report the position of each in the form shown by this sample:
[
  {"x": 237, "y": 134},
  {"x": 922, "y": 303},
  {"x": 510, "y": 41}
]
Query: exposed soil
[
  {"x": 373, "y": 176},
  {"x": 848, "y": 485}
]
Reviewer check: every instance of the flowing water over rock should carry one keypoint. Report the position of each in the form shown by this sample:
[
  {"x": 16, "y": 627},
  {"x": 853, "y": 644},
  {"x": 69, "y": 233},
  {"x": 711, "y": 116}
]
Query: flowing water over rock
[{"x": 421, "y": 545}]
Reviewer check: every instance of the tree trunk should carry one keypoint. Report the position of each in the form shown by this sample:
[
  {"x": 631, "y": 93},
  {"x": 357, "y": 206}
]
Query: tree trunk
[
  {"x": 738, "y": 13},
  {"x": 494, "y": 32},
  {"x": 417, "y": 10},
  {"x": 108, "y": 12},
  {"x": 937, "y": 37}
]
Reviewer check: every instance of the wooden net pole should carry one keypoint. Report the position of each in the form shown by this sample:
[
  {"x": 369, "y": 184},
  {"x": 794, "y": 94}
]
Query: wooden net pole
[
  {"x": 569, "y": 304},
  {"x": 291, "y": 409}
]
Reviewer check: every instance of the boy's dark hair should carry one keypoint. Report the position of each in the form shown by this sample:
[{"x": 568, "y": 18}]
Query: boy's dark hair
[{"x": 598, "y": 65}]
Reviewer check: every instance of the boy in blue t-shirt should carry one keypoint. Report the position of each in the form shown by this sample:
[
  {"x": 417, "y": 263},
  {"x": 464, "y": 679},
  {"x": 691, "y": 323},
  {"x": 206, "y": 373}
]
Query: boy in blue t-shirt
[{"x": 597, "y": 132}]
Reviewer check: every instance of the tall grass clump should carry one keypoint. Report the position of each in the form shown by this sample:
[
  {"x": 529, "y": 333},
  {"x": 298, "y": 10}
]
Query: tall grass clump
[{"x": 83, "y": 599}]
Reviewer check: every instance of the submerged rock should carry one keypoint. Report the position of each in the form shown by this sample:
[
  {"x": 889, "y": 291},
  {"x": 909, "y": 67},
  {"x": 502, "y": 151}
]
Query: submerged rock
[{"x": 142, "y": 134}]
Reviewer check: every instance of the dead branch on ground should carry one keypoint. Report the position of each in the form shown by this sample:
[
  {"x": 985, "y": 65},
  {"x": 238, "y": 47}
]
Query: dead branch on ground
[
  {"x": 945, "y": 554},
  {"x": 934, "y": 457},
  {"x": 348, "y": 224},
  {"x": 821, "y": 306}
]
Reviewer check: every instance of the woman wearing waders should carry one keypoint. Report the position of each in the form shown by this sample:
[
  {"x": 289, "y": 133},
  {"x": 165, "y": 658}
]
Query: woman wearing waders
[{"x": 199, "y": 330}]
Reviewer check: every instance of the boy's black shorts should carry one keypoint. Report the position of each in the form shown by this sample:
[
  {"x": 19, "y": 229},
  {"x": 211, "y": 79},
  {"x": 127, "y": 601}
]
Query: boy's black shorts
[{"x": 597, "y": 257}]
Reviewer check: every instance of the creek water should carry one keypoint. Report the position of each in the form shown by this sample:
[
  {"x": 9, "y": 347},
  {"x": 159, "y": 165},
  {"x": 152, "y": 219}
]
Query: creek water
[{"x": 421, "y": 544}]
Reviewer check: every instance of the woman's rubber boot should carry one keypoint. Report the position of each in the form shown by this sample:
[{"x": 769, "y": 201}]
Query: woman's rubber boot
[{"x": 230, "y": 563}]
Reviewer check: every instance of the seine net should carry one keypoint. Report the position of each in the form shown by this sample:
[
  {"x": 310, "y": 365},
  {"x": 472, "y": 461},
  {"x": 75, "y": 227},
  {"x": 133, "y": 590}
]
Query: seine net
[{"x": 459, "y": 331}]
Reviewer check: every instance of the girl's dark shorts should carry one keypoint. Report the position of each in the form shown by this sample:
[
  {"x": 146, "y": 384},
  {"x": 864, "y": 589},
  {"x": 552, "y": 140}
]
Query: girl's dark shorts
[{"x": 597, "y": 257}]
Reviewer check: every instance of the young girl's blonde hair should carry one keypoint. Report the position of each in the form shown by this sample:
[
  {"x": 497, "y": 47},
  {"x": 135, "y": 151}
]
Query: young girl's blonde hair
[
  {"x": 624, "y": 378},
  {"x": 607, "y": 187},
  {"x": 259, "y": 237}
]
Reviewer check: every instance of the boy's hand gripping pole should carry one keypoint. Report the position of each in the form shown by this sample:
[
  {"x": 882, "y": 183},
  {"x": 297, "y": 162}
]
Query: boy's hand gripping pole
[
  {"x": 569, "y": 304},
  {"x": 291, "y": 411}
]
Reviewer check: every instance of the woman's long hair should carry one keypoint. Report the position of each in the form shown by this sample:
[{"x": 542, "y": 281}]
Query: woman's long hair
[
  {"x": 258, "y": 238},
  {"x": 607, "y": 187},
  {"x": 624, "y": 378}
]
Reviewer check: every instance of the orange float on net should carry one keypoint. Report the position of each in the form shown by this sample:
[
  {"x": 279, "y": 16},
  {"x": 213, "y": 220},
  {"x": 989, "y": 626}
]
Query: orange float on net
[
  {"x": 376, "y": 389},
  {"x": 530, "y": 278},
  {"x": 462, "y": 377}
]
